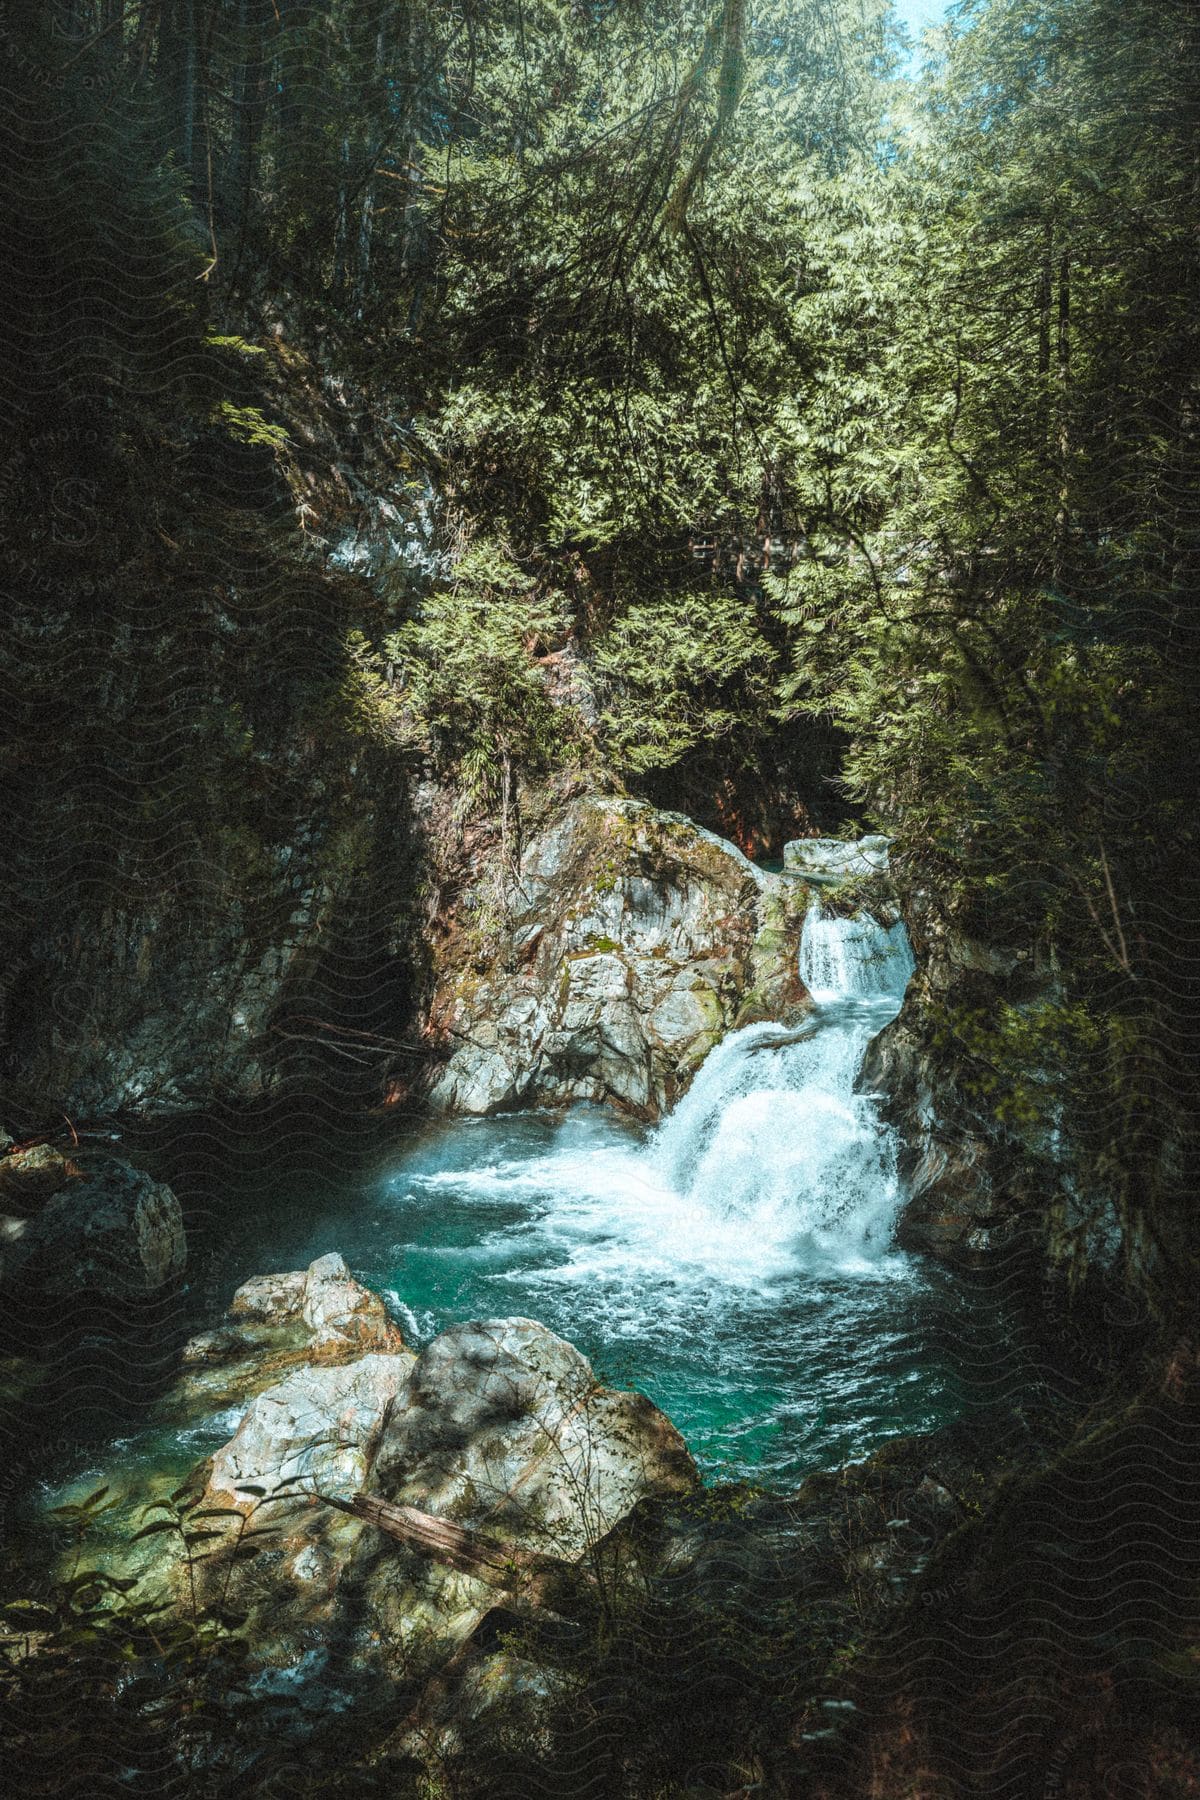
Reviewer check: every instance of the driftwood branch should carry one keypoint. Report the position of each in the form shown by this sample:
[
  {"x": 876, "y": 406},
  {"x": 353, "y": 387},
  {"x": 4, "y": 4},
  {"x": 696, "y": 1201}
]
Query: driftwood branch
[
  {"x": 529, "y": 1575},
  {"x": 340, "y": 1038}
]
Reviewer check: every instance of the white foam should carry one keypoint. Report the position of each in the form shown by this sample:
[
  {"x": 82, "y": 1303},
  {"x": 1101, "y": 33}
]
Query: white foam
[
  {"x": 845, "y": 959},
  {"x": 770, "y": 1165}
]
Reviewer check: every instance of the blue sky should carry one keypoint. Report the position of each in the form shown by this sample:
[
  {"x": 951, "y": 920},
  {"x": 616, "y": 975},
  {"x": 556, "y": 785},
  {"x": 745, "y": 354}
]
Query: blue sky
[{"x": 919, "y": 13}]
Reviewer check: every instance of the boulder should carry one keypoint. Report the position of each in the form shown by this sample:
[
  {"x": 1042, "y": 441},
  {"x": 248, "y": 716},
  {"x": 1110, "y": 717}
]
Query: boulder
[
  {"x": 28, "y": 1177},
  {"x": 830, "y": 861},
  {"x": 498, "y": 1427},
  {"x": 501, "y": 1429},
  {"x": 312, "y": 1433},
  {"x": 323, "y": 1300},
  {"x": 318, "y": 1426},
  {"x": 633, "y": 941},
  {"x": 274, "y": 1324},
  {"x": 504, "y": 1428},
  {"x": 113, "y": 1231},
  {"x": 336, "y": 1309},
  {"x": 270, "y": 1299}
]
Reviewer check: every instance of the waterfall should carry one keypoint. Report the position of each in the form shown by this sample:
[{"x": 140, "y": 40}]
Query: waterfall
[
  {"x": 772, "y": 1132},
  {"x": 769, "y": 1166},
  {"x": 853, "y": 959}
]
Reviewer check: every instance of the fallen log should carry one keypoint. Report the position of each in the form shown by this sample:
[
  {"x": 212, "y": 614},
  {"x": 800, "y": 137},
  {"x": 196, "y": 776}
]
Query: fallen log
[{"x": 531, "y": 1575}]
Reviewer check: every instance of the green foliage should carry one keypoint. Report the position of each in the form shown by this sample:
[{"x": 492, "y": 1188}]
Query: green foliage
[
  {"x": 998, "y": 467},
  {"x": 777, "y": 391},
  {"x": 468, "y": 670},
  {"x": 247, "y": 424},
  {"x": 765, "y": 393},
  {"x": 94, "y": 1675},
  {"x": 613, "y": 315},
  {"x": 679, "y": 672}
]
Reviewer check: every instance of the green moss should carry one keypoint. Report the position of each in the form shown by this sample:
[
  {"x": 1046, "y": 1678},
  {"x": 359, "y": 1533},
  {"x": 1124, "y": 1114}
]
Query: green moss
[{"x": 872, "y": 893}]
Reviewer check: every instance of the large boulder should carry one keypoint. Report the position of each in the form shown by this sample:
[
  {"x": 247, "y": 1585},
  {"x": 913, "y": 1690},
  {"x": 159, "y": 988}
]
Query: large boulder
[
  {"x": 313, "y": 1433},
  {"x": 318, "y": 1425},
  {"x": 110, "y": 1230},
  {"x": 499, "y": 1429},
  {"x": 831, "y": 861},
  {"x": 633, "y": 941},
  {"x": 504, "y": 1428}
]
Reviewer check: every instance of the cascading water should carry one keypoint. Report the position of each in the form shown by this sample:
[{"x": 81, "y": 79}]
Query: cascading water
[
  {"x": 770, "y": 1165},
  {"x": 737, "y": 1262},
  {"x": 854, "y": 959},
  {"x": 771, "y": 1130}
]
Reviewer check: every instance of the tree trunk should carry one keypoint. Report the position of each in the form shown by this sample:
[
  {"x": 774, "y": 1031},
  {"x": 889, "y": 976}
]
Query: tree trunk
[
  {"x": 362, "y": 258},
  {"x": 247, "y": 96},
  {"x": 1045, "y": 302},
  {"x": 177, "y": 58},
  {"x": 293, "y": 17},
  {"x": 1063, "y": 352},
  {"x": 341, "y": 226}
]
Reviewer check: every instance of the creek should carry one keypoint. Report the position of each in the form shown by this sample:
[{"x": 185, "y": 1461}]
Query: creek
[{"x": 737, "y": 1262}]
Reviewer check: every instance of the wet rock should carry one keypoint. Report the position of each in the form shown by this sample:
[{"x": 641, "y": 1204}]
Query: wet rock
[
  {"x": 113, "y": 1231},
  {"x": 634, "y": 941},
  {"x": 498, "y": 1426}
]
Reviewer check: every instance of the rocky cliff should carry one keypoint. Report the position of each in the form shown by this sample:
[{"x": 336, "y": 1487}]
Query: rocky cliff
[
  {"x": 631, "y": 941},
  {"x": 983, "y": 1183}
]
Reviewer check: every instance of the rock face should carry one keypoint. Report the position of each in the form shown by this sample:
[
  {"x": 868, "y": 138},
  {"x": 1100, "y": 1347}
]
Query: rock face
[
  {"x": 160, "y": 1012},
  {"x": 973, "y": 1187},
  {"x": 635, "y": 941},
  {"x": 250, "y": 851},
  {"x": 110, "y": 1231},
  {"x": 956, "y": 1207}
]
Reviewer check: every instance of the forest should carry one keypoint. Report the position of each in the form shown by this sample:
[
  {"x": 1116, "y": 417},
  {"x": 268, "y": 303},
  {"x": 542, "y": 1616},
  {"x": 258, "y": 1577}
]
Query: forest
[{"x": 424, "y": 421}]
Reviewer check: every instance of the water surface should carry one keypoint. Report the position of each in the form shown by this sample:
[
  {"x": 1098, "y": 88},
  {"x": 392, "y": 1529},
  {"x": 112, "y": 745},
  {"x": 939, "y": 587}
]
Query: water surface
[{"x": 737, "y": 1263}]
